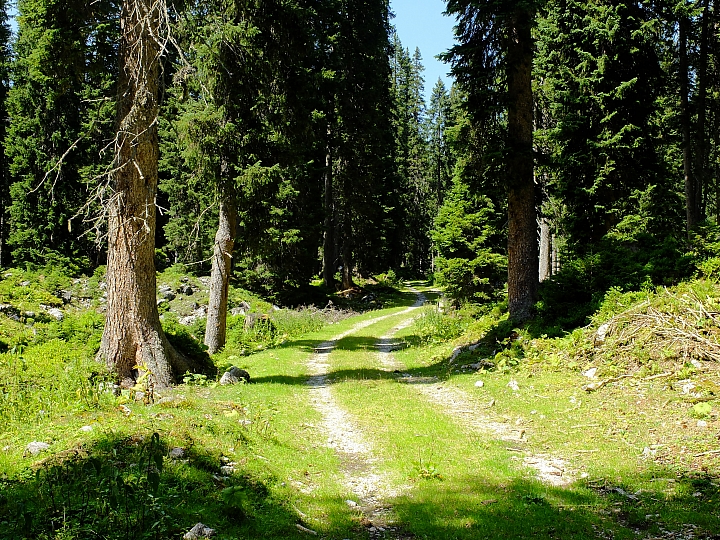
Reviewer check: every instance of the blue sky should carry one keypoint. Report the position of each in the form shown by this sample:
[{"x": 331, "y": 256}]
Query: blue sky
[{"x": 420, "y": 23}]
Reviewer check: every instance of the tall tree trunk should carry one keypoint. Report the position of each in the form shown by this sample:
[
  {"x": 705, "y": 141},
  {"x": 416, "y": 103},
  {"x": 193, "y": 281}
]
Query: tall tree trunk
[
  {"x": 545, "y": 250},
  {"x": 523, "y": 267},
  {"x": 691, "y": 203},
  {"x": 701, "y": 136},
  {"x": 347, "y": 250},
  {"x": 133, "y": 341},
  {"x": 216, "y": 328},
  {"x": 329, "y": 225}
]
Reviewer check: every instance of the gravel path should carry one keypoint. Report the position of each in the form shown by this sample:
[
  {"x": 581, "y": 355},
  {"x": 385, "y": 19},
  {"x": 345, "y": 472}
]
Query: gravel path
[
  {"x": 467, "y": 412},
  {"x": 362, "y": 476}
]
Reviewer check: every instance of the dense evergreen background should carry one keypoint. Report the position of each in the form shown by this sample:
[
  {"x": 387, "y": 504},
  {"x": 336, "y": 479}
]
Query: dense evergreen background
[{"x": 305, "y": 123}]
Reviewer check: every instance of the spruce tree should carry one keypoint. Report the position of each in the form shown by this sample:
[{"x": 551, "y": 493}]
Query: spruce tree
[
  {"x": 601, "y": 89},
  {"x": 359, "y": 107},
  {"x": 61, "y": 120},
  {"x": 5, "y": 60},
  {"x": 410, "y": 216},
  {"x": 493, "y": 63}
]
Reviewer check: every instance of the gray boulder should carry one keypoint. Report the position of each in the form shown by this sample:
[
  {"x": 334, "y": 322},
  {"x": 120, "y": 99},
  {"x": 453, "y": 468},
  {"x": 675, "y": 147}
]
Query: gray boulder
[
  {"x": 199, "y": 531},
  {"x": 235, "y": 375}
]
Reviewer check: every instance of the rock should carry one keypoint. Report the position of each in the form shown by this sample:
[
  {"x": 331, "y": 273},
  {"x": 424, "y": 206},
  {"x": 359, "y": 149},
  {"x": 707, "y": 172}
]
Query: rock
[
  {"x": 10, "y": 311},
  {"x": 86, "y": 429},
  {"x": 166, "y": 292},
  {"x": 227, "y": 470},
  {"x": 702, "y": 424},
  {"x": 176, "y": 453},
  {"x": 590, "y": 373},
  {"x": 186, "y": 289},
  {"x": 55, "y": 313},
  {"x": 199, "y": 313},
  {"x": 456, "y": 352},
  {"x": 35, "y": 447},
  {"x": 234, "y": 375},
  {"x": 479, "y": 384},
  {"x": 696, "y": 363},
  {"x": 601, "y": 333},
  {"x": 199, "y": 531},
  {"x": 65, "y": 296}
]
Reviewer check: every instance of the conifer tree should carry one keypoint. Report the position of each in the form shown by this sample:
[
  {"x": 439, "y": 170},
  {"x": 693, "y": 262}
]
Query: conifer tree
[
  {"x": 602, "y": 88},
  {"x": 5, "y": 59},
  {"x": 133, "y": 343},
  {"x": 359, "y": 108},
  {"x": 493, "y": 63},
  {"x": 239, "y": 120},
  {"x": 409, "y": 217},
  {"x": 61, "y": 110}
]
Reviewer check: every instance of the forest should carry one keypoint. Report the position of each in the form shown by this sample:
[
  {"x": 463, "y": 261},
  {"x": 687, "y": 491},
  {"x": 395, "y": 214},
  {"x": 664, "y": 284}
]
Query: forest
[
  {"x": 260, "y": 188},
  {"x": 296, "y": 136}
]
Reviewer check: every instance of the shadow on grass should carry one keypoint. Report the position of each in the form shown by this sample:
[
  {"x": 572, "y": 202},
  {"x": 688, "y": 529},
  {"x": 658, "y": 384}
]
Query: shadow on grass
[
  {"x": 118, "y": 489},
  {"x": 471, "y": 508},
  {"x": 133, "y": 488},
  {"x": 439, "y": 370}
]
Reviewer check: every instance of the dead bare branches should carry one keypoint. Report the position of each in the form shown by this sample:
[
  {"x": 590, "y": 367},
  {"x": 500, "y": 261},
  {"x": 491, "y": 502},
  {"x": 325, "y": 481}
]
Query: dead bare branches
[{"x": 670, "y": 326}]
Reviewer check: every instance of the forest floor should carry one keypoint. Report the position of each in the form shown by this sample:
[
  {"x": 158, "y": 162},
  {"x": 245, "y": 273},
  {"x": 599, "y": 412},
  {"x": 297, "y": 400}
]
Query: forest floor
[{"x": 364, "y": 430}]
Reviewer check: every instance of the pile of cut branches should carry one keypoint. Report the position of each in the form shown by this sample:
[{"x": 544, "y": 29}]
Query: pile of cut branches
[{"x": 671, "y": 326}]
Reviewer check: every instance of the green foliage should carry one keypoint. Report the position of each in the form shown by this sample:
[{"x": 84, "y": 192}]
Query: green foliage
[
  {"x": 388, "y": 279},
  {"x": 601, "y": 112},
  {"x": 39, "y": 381},
  {"x": 701, "y": 410},
  {"x": 61, "y": 106},
  {"x": 252, "y": 332},
  {"x": 434, "y": 326},
  {"x": 118, "y": 491},
  {"x": 568, "y": 298},
  {"x": 465, "y": 238},
  {"x": 705, "y": 249}
]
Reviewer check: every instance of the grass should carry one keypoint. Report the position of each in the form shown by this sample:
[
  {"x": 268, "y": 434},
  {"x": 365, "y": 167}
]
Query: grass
[{"x": 254, "y": 461}]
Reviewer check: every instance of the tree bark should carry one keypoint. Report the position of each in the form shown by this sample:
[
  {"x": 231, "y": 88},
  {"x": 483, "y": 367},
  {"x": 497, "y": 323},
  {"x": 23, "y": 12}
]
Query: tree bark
[
  {"x": 523, "y": 268},
  {"x": 329, "y": 255},
  {"x": 701, "y": 136},
  {"x": 347, "y": 264},
  {"x": 133, "y": 342},
  {"x": 691, "y": 203},
  {"x": 216, "y": 328},
  {"x": 545, "y": 250}
]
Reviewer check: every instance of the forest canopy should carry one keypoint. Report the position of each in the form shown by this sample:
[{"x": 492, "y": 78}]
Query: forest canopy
[{"x": 296, "y": 136}]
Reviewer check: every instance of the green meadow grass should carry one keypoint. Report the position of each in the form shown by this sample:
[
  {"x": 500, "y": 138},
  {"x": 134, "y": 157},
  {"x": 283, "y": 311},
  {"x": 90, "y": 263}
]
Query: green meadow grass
[{"x": 255, "y": 461}]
